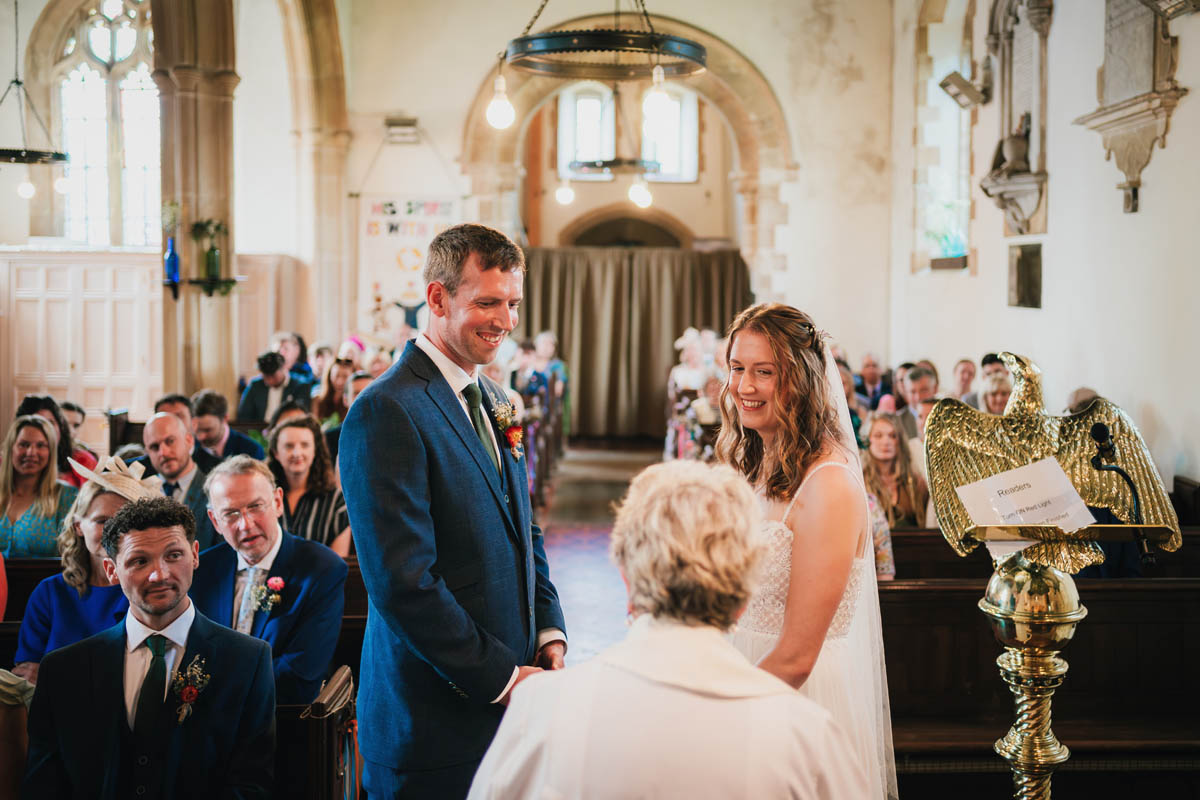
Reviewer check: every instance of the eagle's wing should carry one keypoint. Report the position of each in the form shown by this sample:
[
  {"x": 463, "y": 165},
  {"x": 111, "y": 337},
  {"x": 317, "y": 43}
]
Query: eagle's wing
[{"x": 1107, "y": 489}]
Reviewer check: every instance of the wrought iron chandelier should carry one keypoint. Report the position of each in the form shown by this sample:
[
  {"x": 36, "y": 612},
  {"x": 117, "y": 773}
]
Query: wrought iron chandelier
[
  {"x": 605, "y": 54},
  {"x": 25, "y": 154}
]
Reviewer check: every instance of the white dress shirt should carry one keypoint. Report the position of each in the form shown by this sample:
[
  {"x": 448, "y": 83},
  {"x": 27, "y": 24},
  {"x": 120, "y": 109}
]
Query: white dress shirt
[
  {"x": 459, "y": 379},
  {"x": 184, "y": 482},
  {"x": 138, "y": 655},
  {"x": 243, "y": 574},
  {"x": 275, "y": 396},
  {"x": 671, "y": 711}
]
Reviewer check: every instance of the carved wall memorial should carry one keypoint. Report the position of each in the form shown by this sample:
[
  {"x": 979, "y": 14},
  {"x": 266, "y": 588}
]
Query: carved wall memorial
[
  {"x": 1136, "y": 90},
  {"x": 1017, "y": 181}
]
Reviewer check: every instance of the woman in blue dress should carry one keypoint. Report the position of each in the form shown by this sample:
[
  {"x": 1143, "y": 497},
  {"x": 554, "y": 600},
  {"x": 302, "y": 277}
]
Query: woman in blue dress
[
  {"x": 33, "y": 502},
  {"x": 79, "y": 602}
]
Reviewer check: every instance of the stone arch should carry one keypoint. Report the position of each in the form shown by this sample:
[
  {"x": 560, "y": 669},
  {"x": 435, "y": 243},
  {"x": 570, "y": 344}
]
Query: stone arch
[
  {"x": 596, "y": 216},
  {"x": 732, "y": 84}
]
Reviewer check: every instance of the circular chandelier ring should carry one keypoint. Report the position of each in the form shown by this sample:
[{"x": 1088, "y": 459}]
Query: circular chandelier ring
[
  {"x": 542, "y": 54},
  {"x": 25, "y": 156},
  {"x": 611, "y": 166}
]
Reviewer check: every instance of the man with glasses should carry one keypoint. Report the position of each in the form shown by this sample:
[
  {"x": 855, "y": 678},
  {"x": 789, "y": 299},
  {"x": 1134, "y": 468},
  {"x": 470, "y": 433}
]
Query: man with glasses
[{"x": 269, "y": 584}]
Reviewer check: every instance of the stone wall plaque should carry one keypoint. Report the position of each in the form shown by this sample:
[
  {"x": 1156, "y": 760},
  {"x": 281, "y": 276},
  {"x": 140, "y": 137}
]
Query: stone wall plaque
[{"x": 1136, "y": 90}]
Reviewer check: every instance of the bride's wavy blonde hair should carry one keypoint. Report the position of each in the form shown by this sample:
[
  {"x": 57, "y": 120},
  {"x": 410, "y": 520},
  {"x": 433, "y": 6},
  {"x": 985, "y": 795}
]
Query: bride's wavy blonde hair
[{"x": 807, "y": 419}]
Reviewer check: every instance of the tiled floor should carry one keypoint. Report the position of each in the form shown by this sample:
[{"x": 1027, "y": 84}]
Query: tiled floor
[{"x": 577, "y": 525}]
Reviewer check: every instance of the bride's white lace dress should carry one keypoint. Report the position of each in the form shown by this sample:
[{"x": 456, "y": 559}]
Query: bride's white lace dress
[{"x": 848, "y": 678}]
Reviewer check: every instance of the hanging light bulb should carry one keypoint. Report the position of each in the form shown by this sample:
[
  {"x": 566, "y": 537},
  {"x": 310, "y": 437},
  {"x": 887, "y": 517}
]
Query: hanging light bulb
[
  {"x": 500, "y": 112},
  {"x": 657, "y": 101},
  {"x": 62, "y": 184},
  {"x": 639, "y": 194},
  {"x": 26, "y": 190},
  {"x": 564, "y": 194}
]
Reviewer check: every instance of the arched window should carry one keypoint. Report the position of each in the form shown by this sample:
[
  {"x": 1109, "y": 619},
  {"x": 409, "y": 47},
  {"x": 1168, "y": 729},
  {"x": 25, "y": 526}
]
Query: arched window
[
  {"x": 586, "y": 128},
  {"x": 671, "y": 133},
  {"x": 107, "y": 109}
]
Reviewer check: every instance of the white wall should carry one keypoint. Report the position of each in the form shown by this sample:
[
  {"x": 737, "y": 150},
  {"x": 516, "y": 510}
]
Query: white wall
[
  {"x": 264, "y": 151},
  {"x": 1118, "y": 290},
  {"x": 829, "y": 65}
]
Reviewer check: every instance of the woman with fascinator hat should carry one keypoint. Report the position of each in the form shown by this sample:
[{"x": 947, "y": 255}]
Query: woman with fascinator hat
[
  {"x": 79, "y": 602},
  {"x": 813, "y": 620}
]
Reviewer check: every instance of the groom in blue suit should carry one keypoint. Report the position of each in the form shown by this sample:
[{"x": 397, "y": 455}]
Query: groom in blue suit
[
  {"x": 461, "y": 607},
  {"x": 167, "y": 704}
]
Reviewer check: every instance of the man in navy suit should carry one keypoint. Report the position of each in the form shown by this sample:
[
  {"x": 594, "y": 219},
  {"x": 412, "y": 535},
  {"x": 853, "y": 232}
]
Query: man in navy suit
[
  {"x": 181, "y": 406},
  {"x": 166, "y": 703},
  {"x": 169, "y": 447},
  {"x": 461, "y": 606},
  {"x": 210, "y": 412},
  {"x": 269, "y": 584},
  {"x": 275, "y": 385},
  {"x": 871, "y": 381}
]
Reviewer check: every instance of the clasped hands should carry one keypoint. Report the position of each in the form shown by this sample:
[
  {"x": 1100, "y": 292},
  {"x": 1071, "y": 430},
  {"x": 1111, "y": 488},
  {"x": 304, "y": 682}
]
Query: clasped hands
[{"x": 549, "y": 656}]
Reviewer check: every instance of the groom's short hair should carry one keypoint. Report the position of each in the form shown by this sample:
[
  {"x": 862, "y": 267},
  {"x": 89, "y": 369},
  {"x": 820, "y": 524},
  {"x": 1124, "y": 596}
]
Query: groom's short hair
[{"x": 449, "y": 250}]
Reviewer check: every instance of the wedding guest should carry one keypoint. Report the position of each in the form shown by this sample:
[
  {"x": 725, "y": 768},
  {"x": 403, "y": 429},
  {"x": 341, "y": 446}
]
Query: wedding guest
[
  {"x": 166, "y": 703},
  {"x": 352, "y": 348},
  {"x": 264, "y": 582},
  {"x": 929, "y": 365},
  {"x": 333, "y": 434},
  {"x": 329, "y": 406},
  {"x": 921, "y": 383},
  {"x": 872, "y": 382},
  {"x": 292, "y": 409},
  {"x": 889, "y": 474},
  {"x": 169, "y": 447},
  {"x": 1080, "y": 399},
  {"x": 528, "y": 380},
  {"x": 33, "y": 502},
  {"x": 964, "y": 377},
  {"x": 996, "y": 390},
  {"x": 881, "y": 534},
  {"x": 212, "y": 429},
  {"x": 916, "y": 452},
  {"x": 857, "y": 404},
  {"x": 313, "y": 506},
  {"x": 900, "y": 385},
  {"x": 663, "y": 702},
  {"x": 75, "y": 415},
  {"x": 378, "y": 362},
  {"x": 265, "y": 392},
  {"x": 814, "y": 620},
  {"x": 295, "y": 355},
  {"x": 47, "y": 408},
  {"x": 79, "y": 601},
  {"x": 180, "y": 405},
  {"x": 322, "y": 354},
  {"x": 991, "y": 364},
  {"x": 547, "y": 362}
]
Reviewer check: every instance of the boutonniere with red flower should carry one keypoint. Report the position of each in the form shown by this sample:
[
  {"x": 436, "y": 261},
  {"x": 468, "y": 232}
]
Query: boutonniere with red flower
[
  {"x": 267, "y": 597},
  {"x": 506, "y": 420},
  {"x": 187, "y": 685}
]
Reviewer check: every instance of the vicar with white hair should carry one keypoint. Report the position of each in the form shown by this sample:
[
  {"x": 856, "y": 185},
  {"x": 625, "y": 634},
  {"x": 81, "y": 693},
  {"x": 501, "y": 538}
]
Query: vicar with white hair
[{"x": 673, "y": 710}]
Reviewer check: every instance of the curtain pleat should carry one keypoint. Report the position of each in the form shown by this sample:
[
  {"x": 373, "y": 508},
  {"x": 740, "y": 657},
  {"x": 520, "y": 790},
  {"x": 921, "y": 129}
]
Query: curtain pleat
[{"x": 617, "y": 313}]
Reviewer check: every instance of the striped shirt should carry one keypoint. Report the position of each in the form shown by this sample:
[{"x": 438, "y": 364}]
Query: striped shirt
[{"x": 319, "y": 516}]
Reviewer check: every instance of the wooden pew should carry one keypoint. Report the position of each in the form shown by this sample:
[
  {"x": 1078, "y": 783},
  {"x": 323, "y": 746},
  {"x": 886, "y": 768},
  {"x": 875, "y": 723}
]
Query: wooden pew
[{"x": 924, "y": 554}]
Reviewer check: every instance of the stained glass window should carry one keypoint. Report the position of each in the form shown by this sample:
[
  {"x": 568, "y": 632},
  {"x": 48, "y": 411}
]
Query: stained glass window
[{"x": 109, "y": 112}]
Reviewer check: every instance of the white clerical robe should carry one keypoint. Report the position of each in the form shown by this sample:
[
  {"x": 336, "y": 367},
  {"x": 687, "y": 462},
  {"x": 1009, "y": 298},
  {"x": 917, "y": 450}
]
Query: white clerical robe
[{"x": 672, "y": 711}]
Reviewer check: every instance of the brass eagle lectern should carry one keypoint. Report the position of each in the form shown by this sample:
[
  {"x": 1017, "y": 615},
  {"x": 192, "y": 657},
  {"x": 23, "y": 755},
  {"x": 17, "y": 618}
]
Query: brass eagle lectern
[{"x": 1031, "y": 600}]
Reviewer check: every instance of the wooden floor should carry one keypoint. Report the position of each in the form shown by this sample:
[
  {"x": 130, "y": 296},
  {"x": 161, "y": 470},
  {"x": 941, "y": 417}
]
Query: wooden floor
[{"x": 577, "y": 523}]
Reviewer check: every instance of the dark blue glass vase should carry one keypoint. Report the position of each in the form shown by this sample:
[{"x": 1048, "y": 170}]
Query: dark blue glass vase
[{"x": 171, "y": 261}]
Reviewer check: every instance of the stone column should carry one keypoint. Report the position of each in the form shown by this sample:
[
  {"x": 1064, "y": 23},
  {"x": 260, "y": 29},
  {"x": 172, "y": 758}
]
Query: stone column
[{"x": 194, "y": 70}]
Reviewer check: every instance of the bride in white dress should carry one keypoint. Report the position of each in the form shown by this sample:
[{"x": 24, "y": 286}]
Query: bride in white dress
[{"x": 814, "y": 619}]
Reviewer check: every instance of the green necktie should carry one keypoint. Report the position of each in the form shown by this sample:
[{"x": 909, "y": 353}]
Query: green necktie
[
  {"x": 474, "y": 402},
  {"x": 150, "y": 700}
]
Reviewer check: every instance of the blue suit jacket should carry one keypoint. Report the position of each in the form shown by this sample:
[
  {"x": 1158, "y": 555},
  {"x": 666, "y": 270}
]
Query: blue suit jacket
[
  {"x": 456, "y": 574},
  {"x": 226, "y": 748},
  {"x": 303, "y": 628},
  {"x": 253, "y": 405},
  {"x": 239, "y": 444},
  {"x": 197, "y": 501}
]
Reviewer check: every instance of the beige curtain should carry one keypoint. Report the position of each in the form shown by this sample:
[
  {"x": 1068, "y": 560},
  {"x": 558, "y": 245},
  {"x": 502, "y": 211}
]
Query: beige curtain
[{"x": 617, "y": 313}]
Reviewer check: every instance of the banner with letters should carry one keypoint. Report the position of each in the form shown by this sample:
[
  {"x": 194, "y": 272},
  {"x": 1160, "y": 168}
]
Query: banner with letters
[{"x": 394, "y": 232}]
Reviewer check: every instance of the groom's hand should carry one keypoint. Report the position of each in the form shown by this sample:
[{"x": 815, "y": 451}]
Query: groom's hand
[
  {"x": 522, "y": 674},
  {"x": 551, "y": 655}
]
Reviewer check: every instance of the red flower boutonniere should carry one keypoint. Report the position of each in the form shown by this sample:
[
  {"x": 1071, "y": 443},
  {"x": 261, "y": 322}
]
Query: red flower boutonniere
[
  {"x": 267, "y": 597},
  {"x": 187, "y": 685},
  {"x": 506, "y": 419}
]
